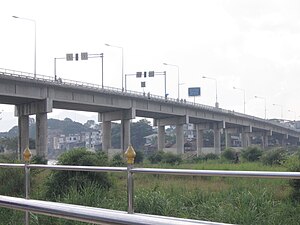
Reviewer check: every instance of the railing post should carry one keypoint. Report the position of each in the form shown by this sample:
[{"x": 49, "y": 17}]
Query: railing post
[
  {"x": 130, "y": 154},
  {"x": 27, "y": 155}
]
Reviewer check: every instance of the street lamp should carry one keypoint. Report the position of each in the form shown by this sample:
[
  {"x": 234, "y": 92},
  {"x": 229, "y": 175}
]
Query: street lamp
[
  {"x": 244, "y": 97},
  {"x": 281, "y": 112},
  {"x": 211, "y": 78},
  {"x": 178, "y": 84},
  {"x": 114, "y": 46},
  {"x": 265, "y": 104},
  {"x": 16, "y": 17}
]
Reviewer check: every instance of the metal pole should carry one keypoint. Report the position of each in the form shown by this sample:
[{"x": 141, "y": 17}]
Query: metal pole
[
  {"x": 130, "y": 188},
  {"x": 27, "y": 155},
  {"x": 178, "y": 82},
  {"x": 125, "y": 82},
  {"x": 102, "y": 70},
  {"x": 165, "y": 73},
  {"x": 122, "y": 68},
  {"x": 55, "y": 78},
  {"x": 27, "y": 187},
  {"x": 34, "y": 48}
]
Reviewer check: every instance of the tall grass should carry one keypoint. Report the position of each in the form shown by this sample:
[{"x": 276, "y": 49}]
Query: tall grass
[{"x": 228, "y": 200}]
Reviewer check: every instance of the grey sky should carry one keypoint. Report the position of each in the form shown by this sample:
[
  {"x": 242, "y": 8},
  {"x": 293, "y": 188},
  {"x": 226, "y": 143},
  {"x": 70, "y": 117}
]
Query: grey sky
[{"x": 253, "y": 45}]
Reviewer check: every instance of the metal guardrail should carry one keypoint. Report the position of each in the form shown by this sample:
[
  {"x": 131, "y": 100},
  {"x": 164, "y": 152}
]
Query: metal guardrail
[
  {"x": 89, "y": 214},
  {"x": 113, "y": 90}
]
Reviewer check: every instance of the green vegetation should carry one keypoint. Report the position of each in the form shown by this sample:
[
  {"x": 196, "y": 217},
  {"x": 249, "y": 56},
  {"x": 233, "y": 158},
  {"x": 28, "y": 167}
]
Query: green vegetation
[{"x": 228, "y": 200}]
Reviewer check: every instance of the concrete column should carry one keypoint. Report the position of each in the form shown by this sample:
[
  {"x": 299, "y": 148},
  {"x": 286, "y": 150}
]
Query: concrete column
[
  {"x": 23, "y": 141},
  {"x": 179, "y": 138},
  {"x": 41, "y": 140},
  {"x": 227, "y": 139},
  {"x": 199, "y": 141},
  {"x": 125, "y": 134},
  {"x": 161, "y": 138},
  {"x": 217, "y": 140},
  {"x": 265, "y": 141},
  {"x": 246, "y": 141},
  {"x": 106, "y": 136}
]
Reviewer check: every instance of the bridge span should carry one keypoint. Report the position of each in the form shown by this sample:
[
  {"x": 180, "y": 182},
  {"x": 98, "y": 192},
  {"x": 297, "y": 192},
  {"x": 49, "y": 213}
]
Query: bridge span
[{"x": 41, "y": 94}]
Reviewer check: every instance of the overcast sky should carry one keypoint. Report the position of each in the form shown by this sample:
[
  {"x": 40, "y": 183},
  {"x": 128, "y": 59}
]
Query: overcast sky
[{"x": 252, "y": 45}]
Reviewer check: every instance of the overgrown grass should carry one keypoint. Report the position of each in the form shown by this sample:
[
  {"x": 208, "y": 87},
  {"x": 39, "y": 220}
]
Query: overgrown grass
[{"x": 228, "y": 200}]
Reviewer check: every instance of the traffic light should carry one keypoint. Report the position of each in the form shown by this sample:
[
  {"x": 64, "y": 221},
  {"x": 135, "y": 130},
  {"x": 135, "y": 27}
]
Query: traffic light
[
  {"x": 76, "y": 56},
  {"x": 145, "y": 74}
]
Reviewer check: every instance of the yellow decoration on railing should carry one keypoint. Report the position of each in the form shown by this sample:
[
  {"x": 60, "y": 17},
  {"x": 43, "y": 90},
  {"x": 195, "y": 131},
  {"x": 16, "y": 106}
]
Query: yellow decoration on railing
[
  {"x": 27, "y": 154},
  {"x": 130, "y": 154}
]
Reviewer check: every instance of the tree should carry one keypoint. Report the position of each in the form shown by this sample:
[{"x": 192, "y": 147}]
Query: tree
[{"x": 139, "y": 130}]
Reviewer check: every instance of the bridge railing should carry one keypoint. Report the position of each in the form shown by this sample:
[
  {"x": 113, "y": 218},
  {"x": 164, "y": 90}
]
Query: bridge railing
[
  {"x": 113, "y": 90},
  {"x": 62, "y": 210}
]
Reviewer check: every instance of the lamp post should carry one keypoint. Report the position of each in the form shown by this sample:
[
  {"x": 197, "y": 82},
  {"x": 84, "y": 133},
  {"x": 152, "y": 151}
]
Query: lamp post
[
  {"x": 244, "y": 97},
  {"x": 281, "y": 111},
  {"x": 114, "y": 46},
  {"x": 16, "y": 17},
  {"x": 211, "y": 78},
  {"x": 178, "y": 84},
  {"x": 265, "y": 104}
]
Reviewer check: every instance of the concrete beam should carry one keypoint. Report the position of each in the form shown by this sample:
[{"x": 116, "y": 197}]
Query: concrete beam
[
  {"x": 126, "y": 114},
  {"x": 178, "y": 120},
  {"x": 31, "y": 108}
]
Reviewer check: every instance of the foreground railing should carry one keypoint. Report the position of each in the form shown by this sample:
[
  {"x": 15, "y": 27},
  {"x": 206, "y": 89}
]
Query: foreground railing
[{"x": 96, "y": 215}]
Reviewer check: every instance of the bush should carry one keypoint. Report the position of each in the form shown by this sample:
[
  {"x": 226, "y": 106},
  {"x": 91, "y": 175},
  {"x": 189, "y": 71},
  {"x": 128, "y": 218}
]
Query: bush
[
  {"x": 252, "y": 154},
  {"x": 211, "y": 156},
  {"x": 171, "y": 158},
  {"x": 293, "y": 165},
  {"x": 229, "y": 154},
  {"x": 118, "y": 160},
  {"x": 156, "y": 157},
  {"x": 274, "y": 157},
  {"x": 58, "y": 182},
  {"x": 139, "y": 158}
]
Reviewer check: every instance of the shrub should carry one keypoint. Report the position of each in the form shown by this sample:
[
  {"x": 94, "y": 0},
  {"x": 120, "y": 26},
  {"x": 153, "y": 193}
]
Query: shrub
[
  {"x": 252, "y": 154},
  {"x": 156, "y": 157},
  {"x": 171, "y": 158},
  {"x": 139, "y": 158},
  {"x": 211, "y": 156},
  {"x": 58, "y": 182},
  {"x": 118, "y": 160},
  {"x": 293, "y": 165},
  {"x": 229, "y": 154},
  {"x": 274, "y": 157}
]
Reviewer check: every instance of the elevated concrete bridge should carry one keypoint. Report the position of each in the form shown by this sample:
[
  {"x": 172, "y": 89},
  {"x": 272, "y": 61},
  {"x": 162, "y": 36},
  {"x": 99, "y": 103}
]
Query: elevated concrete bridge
[{"x": 41, "y": 94}]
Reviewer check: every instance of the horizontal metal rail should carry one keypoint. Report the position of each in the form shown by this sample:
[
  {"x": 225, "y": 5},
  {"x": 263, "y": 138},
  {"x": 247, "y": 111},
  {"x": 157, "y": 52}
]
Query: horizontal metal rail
[
  {"x": 180, "y": 172},
  {"x": 91, "y": 214}
]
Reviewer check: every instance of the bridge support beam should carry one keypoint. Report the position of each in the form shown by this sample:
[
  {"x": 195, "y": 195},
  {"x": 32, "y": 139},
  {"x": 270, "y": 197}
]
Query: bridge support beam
[
  {"x": 161, "y": 138},
  {"x": 218, "y": 128},
  {"x": 199, "y": 140},
  {"x": 125, "y": 134},
  {"x": 23, "y": 141},
  {"x": 40, "y": 108},
  {"x": 41, "y": 140},
  {"x": 227, "y": 139},
  {"x": 106, "y": 136},
  {"x": 246, "y": 137},
  {"x": 125, "y": 116},
  {"x": 179, "y": 121},
  {"x": 179, "y": 139}
]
